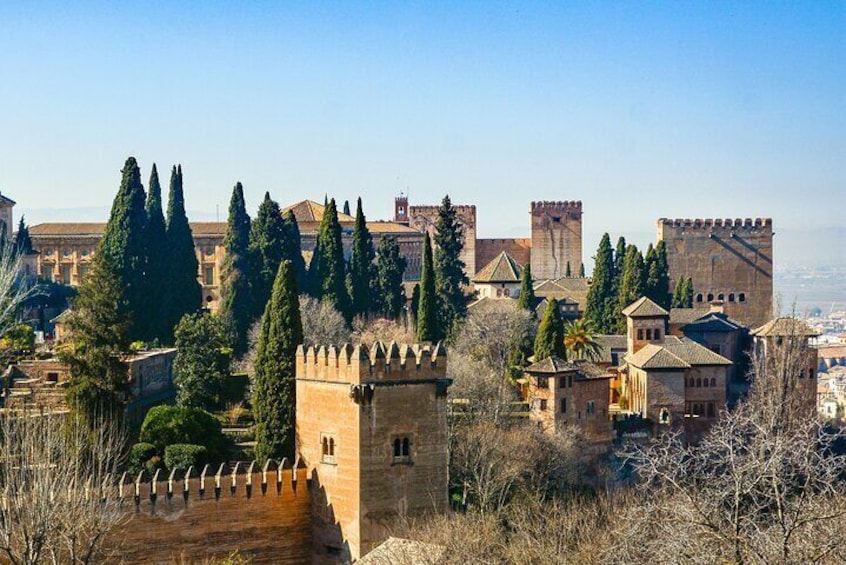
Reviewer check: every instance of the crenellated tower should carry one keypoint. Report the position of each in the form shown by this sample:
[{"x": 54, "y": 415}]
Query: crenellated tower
[
  {"x": 556, "y": 238},
  {"x": 423, "y": 218},
  {"x": 372, "y": 431},
  {"x": 728, "y": 260}
]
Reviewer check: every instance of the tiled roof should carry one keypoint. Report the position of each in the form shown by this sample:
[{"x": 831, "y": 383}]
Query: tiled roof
[
  {"x": 502, "y": 269},
  {"x": 643, "y": 307},
  {"x": 653, "y": 356},
  {"x": 576, "y": 285},
  {"x": 574, "y": 289},
  {"x": 589, "y": 370},
  {"x": 785, "y": 327},
  {"x": 311, "y": 211},
  {"x": 552, "y": 365},
  {"x": 683, "y": 316},
  {"x": 713, "y": 322},
  {"x": 96, "y": 229},
  {"x": 6, "y": 200},
  {"x": 693, "y": 353},
  {"x": 609, "y": 343}
]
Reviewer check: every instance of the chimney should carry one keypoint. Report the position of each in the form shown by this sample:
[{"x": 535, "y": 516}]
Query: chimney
[{"x": 718, "y": 307}]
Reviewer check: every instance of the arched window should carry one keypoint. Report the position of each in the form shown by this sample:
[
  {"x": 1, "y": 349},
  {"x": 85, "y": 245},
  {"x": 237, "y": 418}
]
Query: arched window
[
  {"x": 657, "y": 334},
  {"x": 326, "y": 446},
  {"x": 705, "y": 382},
  {"x": 664, "y": 418},
  {"x": 698, "y": 383},
  {"x": 741, "y": 297},
  {"x": 721, "y": 296},
  {"x": 697, "y": 409},
  {"x": 332, "y": 447},
  {"x": 506, "y": 292},
  {"x": 713, "y": 382},
  {"x": 711, "y": 412},
  {"x": 699, "y": 297},
  {"x": 710, "y": 297},
  {"x": 397, "y": 448},
  {"x": 731, "y": 297},
  {"x": 406, "y": 447}
]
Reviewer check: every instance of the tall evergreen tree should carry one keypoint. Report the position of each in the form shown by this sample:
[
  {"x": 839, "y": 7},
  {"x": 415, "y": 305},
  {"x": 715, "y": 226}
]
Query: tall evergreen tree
[
  {"x": 427, "y": 310},
  {"x": 331, "y": 268},
  {"x": 550, "y": 337},
  {"x": 157, "y": 262},
  {"x": 293, "y": 251},
  {"x": 362, "y": 268},
  {"x": 23, "y": 242},
  {"x": 347, "y": 206},
  {"x": 274, "y": 384},
  {"x": 601, "y": 297},
  {"x": 449, "y": 268},
  {"x": 526, "y": 300},
  {"x": 235, "y": 300},
  {"x": 315, "y": 275},
  {"x": 267, "y": 249},
  {"x": 678, "y": 294},
  {"x": 619, "y": 264},
  {"x": 182, "y": 294},
  {"x": 631, "y": 284},
  {"x": 390, "y": 268},
  {"x": 688, "y": 293},
  {"x": 99, "y": 335},
  {"x": 568, "y": 271},
  {"x": 582, "y": 270},
  {"x": 124, "y": 249},
  {"x": 657, "y": 286},
  {"x": 414, "y": 307}
]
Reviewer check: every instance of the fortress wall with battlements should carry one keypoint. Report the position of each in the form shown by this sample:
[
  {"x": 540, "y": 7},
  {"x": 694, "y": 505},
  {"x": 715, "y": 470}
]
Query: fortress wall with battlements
[
  {"x": 264, "y": 514},
  {"x": 422, "y": 218},
  {"x": 728, "y": 259},
  {"x": 556, "y": 238}
]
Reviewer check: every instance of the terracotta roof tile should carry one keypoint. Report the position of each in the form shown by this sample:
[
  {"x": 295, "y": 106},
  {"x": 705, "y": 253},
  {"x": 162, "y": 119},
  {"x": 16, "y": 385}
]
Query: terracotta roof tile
[
  {"x": 785, "y": 327},
  {"x": 502, "y": 269},
  {"x": 653, "y": 356},
  {"x": 643, "y": 307}
]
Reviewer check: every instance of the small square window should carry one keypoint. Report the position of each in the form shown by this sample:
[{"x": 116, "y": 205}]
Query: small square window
[
  {"x": 543, "y": 382},
  {"x": 543, "y": 405}
]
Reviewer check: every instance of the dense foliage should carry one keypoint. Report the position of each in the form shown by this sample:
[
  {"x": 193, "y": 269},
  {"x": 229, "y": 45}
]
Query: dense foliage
[
  {"x": 202, "y": 361},
  {"x": 450, "y": 279},
  {"x": 390, "y": 268},
  {"x": 169, "y": 425},
  {"x": 235, "y": 298},
  {"x": 550, "y": 337}
]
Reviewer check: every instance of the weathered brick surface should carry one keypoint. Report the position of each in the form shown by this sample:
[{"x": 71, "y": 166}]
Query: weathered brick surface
[
  {"x": 728, "y": 260},
  {"x": 519, "y": 248},
  {"x": 556, "y": 238},
  {"x": 423, "y": 218}
]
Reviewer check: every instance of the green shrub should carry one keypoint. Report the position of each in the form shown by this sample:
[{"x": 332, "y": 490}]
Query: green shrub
[
  {"x": 183, "y": 455},
  {"x": 139, "y": 455},
  {"x": 169, "y": 425}
]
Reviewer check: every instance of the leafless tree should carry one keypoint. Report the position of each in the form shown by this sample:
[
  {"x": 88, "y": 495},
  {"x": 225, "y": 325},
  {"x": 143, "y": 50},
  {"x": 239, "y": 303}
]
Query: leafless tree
[
  {"x": 14, "y": 286},
  {"x": 54, "y": 475},
  {"x": 322, "y": 323},
  {"x": 764, "y": 486},
  {"x": 381, "y": 329}
]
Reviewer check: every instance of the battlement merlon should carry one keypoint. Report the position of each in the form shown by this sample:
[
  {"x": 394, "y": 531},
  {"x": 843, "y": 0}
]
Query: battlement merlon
[
  {"x": 556, "y": 207},
  {"x": 378, "y": 363},
  {"x": 738, "y": 224}
]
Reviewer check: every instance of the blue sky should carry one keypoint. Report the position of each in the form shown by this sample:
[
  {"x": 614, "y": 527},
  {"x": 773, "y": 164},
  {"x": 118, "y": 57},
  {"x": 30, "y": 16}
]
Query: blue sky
[{"x": 640, "y": 109}]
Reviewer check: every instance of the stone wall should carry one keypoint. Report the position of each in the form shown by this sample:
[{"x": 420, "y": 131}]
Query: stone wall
[
  {"x": 265, "y": 517},
  {"x": 728, "y": 260},
  {"x": 556, "y": 239}
]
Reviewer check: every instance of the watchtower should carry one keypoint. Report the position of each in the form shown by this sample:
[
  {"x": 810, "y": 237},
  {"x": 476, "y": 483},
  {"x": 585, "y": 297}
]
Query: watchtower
[
  {"x": 556, "y": 238},
  {"x": 728, "y": 260},
  {"x": 401, "y": 209},
  {"x": 371, "y": 428},
  {"x": 6, "y": 207}
]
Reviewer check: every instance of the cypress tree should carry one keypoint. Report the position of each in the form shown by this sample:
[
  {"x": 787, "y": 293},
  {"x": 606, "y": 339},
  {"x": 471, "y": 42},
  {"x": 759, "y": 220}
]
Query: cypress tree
[
  {"x": 347, "y": 206},
  {"x": 99, "y": 335},
  {"x": 267, "y": 248},
  {"x": 688, "y": 293},
  {"x": 235, "y": 301},
  {"x": 619, "y": 264},
  {"x": 293, "y": 250},
  {"x": 124, "y": 249},
  {"x": 449, "y": 268},
  {"x": 427, "y": 310},
  {"x": 582, "y": 270},
  {"x": 631, "y": 284},
  {"x": 274, "y": 384},
  {"x": 331, "y": 267},
  {"x": 550, "y": 338},
  {"x": 183, "y": 294},
  {"x": 157, "y": 262},
  {"x": 526, "y": 300},
  {"x": 414, "y": 307},
  {"x": 390, "y": 267},
  {"x": 661, "y": 287},
  {"x": 601, "y": 297},
  {"x": 315, "y": 276},
  {"x": 362, "y": 269},
  {"x": 568, "y": 271},
  {"x": 678, "y": 294},
  {"x": 23, "y": 242}
]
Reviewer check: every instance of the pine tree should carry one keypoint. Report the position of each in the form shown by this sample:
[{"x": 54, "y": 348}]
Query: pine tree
[
  {"x": 347, "y": 206},
  {"x": 362, "y": 268},
  {"x": 631, "y": 284},
  {"x": 601, "y": 297},
  {"x": 124, "y": 250},
  {"x": 582, "y": 270},
  {"x": 331, "y": 268},
  {"x": 99, "y": 334},
  {"x": 427, "y": 310},
  {"x": 293, "y": 250},
  {"x": 390, "y": 267},
  {"x": 183, "y": 294},
  {"x": 267, "y": 249},
  {"x": 274, "y": 385},
  {"x": 550, "y": 338},
  {"x": 235, "y": 301},
  {"x": 526, "y": 300},
  {"x": 449, "y": 268},
  {"x": 157, "y": 262},
  {"x": 568, "y": 272},
  {"x": 23, "y": 242}
]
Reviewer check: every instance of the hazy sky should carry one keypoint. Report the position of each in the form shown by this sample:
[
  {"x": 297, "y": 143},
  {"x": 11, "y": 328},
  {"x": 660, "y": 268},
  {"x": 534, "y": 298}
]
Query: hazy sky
[{"x": 641, "y": 110}]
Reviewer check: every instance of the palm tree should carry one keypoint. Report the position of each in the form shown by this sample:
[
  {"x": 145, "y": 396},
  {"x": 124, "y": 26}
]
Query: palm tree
[{"x": 580, "y": 340}]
